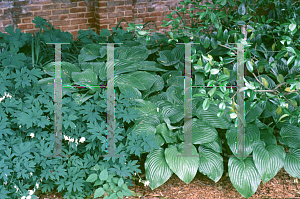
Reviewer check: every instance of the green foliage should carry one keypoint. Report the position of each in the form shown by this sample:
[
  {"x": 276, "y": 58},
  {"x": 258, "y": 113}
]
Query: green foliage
[{"x": 149, "y": 108}]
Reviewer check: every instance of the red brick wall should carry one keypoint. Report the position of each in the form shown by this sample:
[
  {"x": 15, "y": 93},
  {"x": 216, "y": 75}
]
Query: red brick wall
[{"x": 73, "y": 15}]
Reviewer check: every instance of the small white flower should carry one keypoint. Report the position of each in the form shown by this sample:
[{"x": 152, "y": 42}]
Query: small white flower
[
  {"x": 135, "y": 173},
  {"x": 76, "y": 141},
  {"x": 146, "y": 183},
  {"x": 6, "y": 175},
  {"x": 5, "y": 183},
  {"x": 71, "y": 140},
  {"x": 31, "y": 173},
  {"x": 37, "y": 185},
  {"x": 23, "y": 197},
  {"x": 31, "y": 135},
  {"x": 41, "y": 180},
  {"x": 66, "y": 137},
  {"x": 82, "y": 139},
  {"x": 157, "y": 109},
  {"x": 31, "y": 192}
]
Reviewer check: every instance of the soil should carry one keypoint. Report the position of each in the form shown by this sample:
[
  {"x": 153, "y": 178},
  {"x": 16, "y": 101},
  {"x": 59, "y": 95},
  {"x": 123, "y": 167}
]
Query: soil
[{"x": 281, "y": 186}]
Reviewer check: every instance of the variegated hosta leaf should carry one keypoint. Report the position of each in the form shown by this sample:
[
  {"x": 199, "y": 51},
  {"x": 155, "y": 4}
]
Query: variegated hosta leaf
[{"x": 202, "y": 131}]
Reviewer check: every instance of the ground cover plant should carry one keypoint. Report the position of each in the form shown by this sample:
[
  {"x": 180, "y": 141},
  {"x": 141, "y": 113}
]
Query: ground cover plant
[{"x": 149, "y": 109}]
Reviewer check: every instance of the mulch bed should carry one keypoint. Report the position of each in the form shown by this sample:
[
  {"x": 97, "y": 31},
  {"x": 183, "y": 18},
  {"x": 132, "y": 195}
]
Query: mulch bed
[{"x": 281, "y": 186}]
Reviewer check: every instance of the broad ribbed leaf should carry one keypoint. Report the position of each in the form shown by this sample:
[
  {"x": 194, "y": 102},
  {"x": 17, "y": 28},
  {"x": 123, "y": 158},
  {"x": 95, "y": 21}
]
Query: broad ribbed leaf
[
  {"x": 211, "y": 163},
  {"x": 146, "y": 78},
  {"x": 146, "y": 108},
  {"x": 202, "y": 132},
  {"x": 66, "y": 68},
  {"x": 210, "y": 116},
  {"x": 157, "y": 86},
  {"x": 269, "y": 160},
  {"x": 130, "y": 80},
  {"x": 252, "y": 135},
  {"x": 175, "y": 95},
  {"x": 184, "y": 167},
  {"x": 80, "y": 98},
  {"x": 156, "y": 168},
  {"x": 292, "y": 163},
  {"x": 166, "y": 133},
  {"x": 167, "y": 58},
  {"x": 214, "y": 145},
  {"x": 132, "y": 92},
  {"x": 87, "y": 77},
  {"x": 136, "y": 53},
  {"x": 89, "y": 52},
  {"x": 267, "y": 136},
  {"x": 290, "y": 136},
  {"x": 252, "y": 114},
  {"x": 243, "y": 176},
  {"x": 177, "y": 81}
]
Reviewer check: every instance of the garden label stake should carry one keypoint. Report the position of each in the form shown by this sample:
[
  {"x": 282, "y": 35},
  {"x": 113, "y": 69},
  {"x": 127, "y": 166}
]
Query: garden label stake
[{"x": 57, "y": 102}]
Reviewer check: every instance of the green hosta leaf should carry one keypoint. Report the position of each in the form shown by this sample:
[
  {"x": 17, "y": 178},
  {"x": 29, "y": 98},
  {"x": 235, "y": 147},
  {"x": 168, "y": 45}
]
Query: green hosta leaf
[
  {"x": 103, "y": 175},
  {"x": 156, "y": 168},
  {"x": 211, "y": 163},
  {"x": 243, "y": 176},
  {"x": 214, "y": 145},
  {"x": 99, "y": 192},
  {"x": 81, "y": 98},
  {"x": 269, "y": 160},
  {"x": 292, "y": 162},
  {"x": 267, "y": 137},
  {"x": 290, "y": 136},
  {"x": 210, "y": 116},
  {"x": 87, "y": 77},
  {"x": 92, "y": 178},
  {"x": 136, "y": 53},
  {"x": 252, "y": 135},
  {"x": 202, "y": 131},
  {"x": 184, "y": 167}
]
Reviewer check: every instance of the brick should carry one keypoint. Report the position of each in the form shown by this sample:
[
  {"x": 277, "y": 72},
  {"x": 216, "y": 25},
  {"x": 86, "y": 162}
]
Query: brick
[
  {"x": 72, "y": 15},
  {"x": 91, "y": 20},
  {"x": 84, "y": 26},
  {"x": 142, "y": 5},
  {"x": 103, "y": 16},
  {"x": 61, "y": 23},
  {"x": 54, "y": 17},
  {"x": 134, "y": 10},
  {"x": 141, "y": 10},
  {"x": 150, "y": 19},
  {"x": 1, "y": 12},
  {"x": 24, "y": 15},
  {"x": 81, "y": 4},
  {"x": 42, "y": 13},
  {"x": 62, "y": 17},
  {"x": 123, "y": 8},
  {"x": 89, "y": 14},
  {"x": 41, "y": 2},
  {"x": 51, "y": 7},
  {"x": 128, "y": 19},
  {"x": 128, "y": 13},
  {"x": 25, "y": 26},
  {"x": 81, "y": 15},
  {"x": 27, "y": 20},
  {"x": 33, "y": 8},
  {"x": 116, "y": 14},
  {"x": 75, "y": 10},
  {"x": 72, "y": 27},
  {"x": 74, "y": 33},
  {"x": 69, "y": 5},
  {"x": 59, "y": 12},
  {"x": 138, "y": 20},
  {"x": 156, "y": 14},
  {"x": 105, "y": 10},
  {"x": 102, "y": 4},
  {"x": 78, "y": 21},
  {"x": 142, "y": 15},
  {"x": 107, "y": 21}
]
